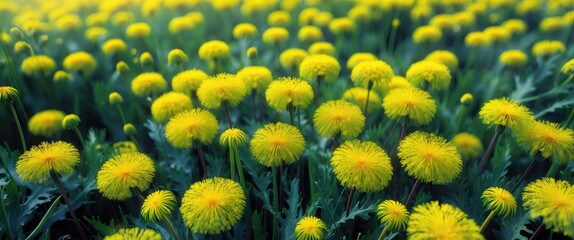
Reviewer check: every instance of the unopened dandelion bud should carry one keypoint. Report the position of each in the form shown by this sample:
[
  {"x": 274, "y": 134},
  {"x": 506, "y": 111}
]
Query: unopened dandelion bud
[
  {"x": 146, "y": 59},
  {"x": 16, "y": 33},
  {"x": 70, "y": 121},
  {"x": 176, "y": 57},
  {"x": 115, "y": 98},
  {"x": 252, "y": 53},
  {"x": 122, "y": 67},
  {"x": 130, "y": 129},
  {"x": 466, "y": 99}
]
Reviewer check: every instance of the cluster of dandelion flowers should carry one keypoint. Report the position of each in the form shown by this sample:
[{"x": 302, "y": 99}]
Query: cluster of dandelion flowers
[
  {"x": 36, "y": 164},
  {"x": 429, "y": 158},
  {"x": 212, "y": 205},
  {"x": 435, "y": 74},
  {"x": 504, "y": 112},
  {"x": 553, "y": 200},
  {"x": 168, "y": 105},
  {"x": 187, "y": 127},
  {"x": 339, "y": 117},
  {"x": 320, "y": 65},
  {"x": 310, "y": 228},
  {"x": 362, "y": 165},
  {"x": 393, "y": 214},
  {"x": 38, "y": 64},
  {"x": 441, "y": 221},
  {"x": 358, "y": 95},
  {"x": 468, "y": 145},
  {"x": 374, "y": 72},
  {"x": 46, "y": 123},
  {"x": 148, "y": 83},
  {"x": 276, "y": 144},
  {"x": 134, "y": 233},
  {"x": 80, "y": 62},
  {"x": 413, "y": 104},
  {"x": 548, "y": 139},
  {"x": 158, "y": 205},
  {"x": 123, "y": 172},
  {"x": 500, "y": 201},
  {"x": 221, "y": 88},
  {"x": 214, "y": 49},
  {"x": 289, "y": 90},
  {"x": 255, "y": 77},
  {"x": 188, "y": 81}
]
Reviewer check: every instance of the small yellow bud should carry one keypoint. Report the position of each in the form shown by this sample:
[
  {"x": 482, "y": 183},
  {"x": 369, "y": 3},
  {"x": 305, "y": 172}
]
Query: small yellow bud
[
  {"x": 466, "y": 99},
  {"x": 146, "y": 59},
  {"x": 252, "y": 53},
  {"x": 70, "y": 121},
  {"x": 115, "y": 98},
  {"x": 176, "y": 57},
  {"x": 396, "y": 22},
  {"x": 16, "y": 33},
  {"x": 122, "y": 67},
  {"x": 61, "y": 76},
  {"x": 130, "y": 129}
]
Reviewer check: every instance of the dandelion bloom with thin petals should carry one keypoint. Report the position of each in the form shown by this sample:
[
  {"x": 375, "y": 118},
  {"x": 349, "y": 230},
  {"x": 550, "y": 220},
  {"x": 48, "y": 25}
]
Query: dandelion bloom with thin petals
[
  {"x": 35, "y": 165},
  {"x": 445, "y": 57},
  {"x": 255, "y": 77},
  {"x": 359, "y": 57},
  {"x": 568, "y": 67},
  {"x": 288, "y": 90},
  {"x": 191, "y": 126},
  {"x": 213, "y": 205},
  {"x": 123, "y": 172},
  {"x": 134, "y": 233},
  {"x": 358, "y": 96},
  {"x": 114, "y": 46},
  {"x": 169, "y": 104},
  {"x": 310, "y": 228},
  {"x": 233, "y": 137},
  {"x": 148, "y": 83},
  {"x": 553, "y": 200},
  {"x": 38, "y": 64},
  {"x": 8, "y": 94},
  {"x": 412, "y": 103},
  {"x": 221, "y": 88},
  {"x": 80, "y": 62},
  {"x": 504, "y": 112},
  {"x": 188, "y": 81},
  {"x": 374, "y": 72},
  {"x": 362, "y": 165},
  {"x": 500, "y": 201},
  {"x": 46, "y": 123},
  {"x": 291, "y": 58},
  {"x": 158, "y": 205},
  {"x": 441, "y": 222},
  {"x": 548, "y": 139},
  {"x": 214, "y": 49},
  {"x": 513, "y": 58},
  {"x": 275, "y": 35},
  {"x": 436, "y": 74},
  {"x": 276, "y": 144},
  {"x": 468, "y": 145},
  {"x": 339, "y": 117},
  {"x": 320, "y": 65},
  {"x": 429, "y": 158},
  {"x": 393, "y": 214},
  {"x": 546, "y": 48}
]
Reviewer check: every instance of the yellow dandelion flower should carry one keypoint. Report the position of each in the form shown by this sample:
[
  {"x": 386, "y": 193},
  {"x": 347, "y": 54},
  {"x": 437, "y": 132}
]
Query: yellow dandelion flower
[
  {"x": 513, "y": 58},
  {"x": 548, "y": 139},
  {"x": 244, "y": 30},
  {"x": 550, "y": 24},
  {"x": 468, "y": 145},
  {"x": 342, "y": 25},
  {"x": 114, "y": 46},
  {"x": 362, "y": 165},
  {"x": 158, "y": 205},
  {"x": 412, "y": 103},
  {"x": 360, "y": 13},
  {"x": 547, "y": 48},
  {"x": 224, "y": 4},
  {"x": 276, "y": 144},
  {"x": 148, "y": 83},
  {"x": 138, "y": 30},
  {"x": 310, "y": 228},
  {"x": 213, "y": 205},
  {"x": 515, "y": 26},
  {"x": 505, "y": 112},
  {"x": 309, "y": 34},
  {"x": 124, "y": 147},
  {"x": 322, "y": 19},
  {"x": 497, "y": 34},
  {"x": 429, "y": 158},
  {"x": 221, "y": 88},
  {"x": 129, "y": 129},
  {"x": 553, "y": 200},
  {"x": 80, "y": 62},
  {"x": 46, "y": 123},
  {"x": 441, "y": 221},
  {"x": 179, "y": 24},
  {"x": 433, "y": 73},
  {"x": 176, "y": 56},
  {"x": 396, "y": 82},
  {"x": 339, "y": 117},
  {"x": 466, "y": 99},
  {"x": 291, "y": 58},
  {"x": 214, "y": 49},
  {"x": 393, "y": 214},
  {"x": 191, "y": 126},
  {"x": 322, "y": 48},
  {"x": 255, "y": 77},
  {"x": 188, "y": 81},
  {"x": 288, "y": 90},
  {"x": 233, "y": 138},
  {"x": 359, "y": 57},
  {"x": 477, "y": 40},
  {"x": 320, "y": 65},
  {"x": 8, "y": 94},
  {"x": 115, "y": 98},
  {"x": 568, "y": 67},
  {"x": 68, "y": 22},
  {"x": 22, "y": 47},
  {"x": 445, "y": 57},
  {"x": 443, "y": 21},
  {"x": 122, "y": 67},
  {"x": 36, "y": 164},
  {"x": 427, "y": 34},
  {"x": 134, "y": 233},
  {"x": 169, "y": 104},
  {"x": 123, "y": 172},
  {"x": 358, "y": 96},
  {"x": 38, "y": 64},
  {"x": 376, "y": 72},
  {"x": 146, "y": 59},
  {"x": 279, "y": 18},
  {"x": 306, "y": 15},
  {"x": 275, "y": 35},
  {"x": 70, "y": 121},
  {"x": 500, "y": 201}
]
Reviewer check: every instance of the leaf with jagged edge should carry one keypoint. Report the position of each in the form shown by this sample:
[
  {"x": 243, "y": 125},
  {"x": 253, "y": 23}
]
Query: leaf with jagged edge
[
  {"x": 256, "y": 225},
  {"x": 293, "y": 212},
  {"x": 564, "y": 103},
  {"x": 523, "y": 88},
  {"x": 102, "y": 228},
  {"x": 512, "y": 228},
  {"x": 358, "y": 210},
  {"x": 261, "y": 190}
]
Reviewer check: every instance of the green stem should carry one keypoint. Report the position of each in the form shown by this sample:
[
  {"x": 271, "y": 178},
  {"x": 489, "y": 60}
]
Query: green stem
[
  {"x": 490, "y": 149},
  {"x": 460, "y": 118},
  {"x": 391, "y": 46},
  {"x": 202, "y": 161},
  {"x": 171, "y": 228},
  {"x": 370, "y": 86},
  {"x": 15, "y": 115},
  {"x": 561, "y": 86},
  {"x": 538, "y": 232},
  {"x": 80, "y": 137},
  {"x": 58, "y": 182},
  {"x": 240, "y": 170},
  {"x": 553, "y": 169},
  {"x": 413, "y": 192},
  {"x": 312, "y": 186},
  {"x": 525, "y": 173},
  {"x": 121, "y": 114},
  {"x": 275, "y": 200},
  {"x": 226, "y": 109},
  {"x": 569, "y": 119},
  {"x": 44, "y": 219},
  {"x": 232, "y": 163},
  {"x": 487, "y": 221},
  {"x": 291, "y": 110},
  {"x": 4, "y": 216},
  {"x": 349, "y": 201},
  {"x": 384, "y": 232}
]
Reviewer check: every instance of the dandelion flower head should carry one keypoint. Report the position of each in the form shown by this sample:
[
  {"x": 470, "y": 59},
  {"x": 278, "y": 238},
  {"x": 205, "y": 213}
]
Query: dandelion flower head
[
  {"x": 320, "y": 65},
  {"x": 547, "y": 47},
  {"x": 513, "y": 58},
  {"x": 123, "y": 172},
  {"x": 548, "y": 139},
  {"x": 114, "y": 46},
  {"x": 358, "y": 96},
  {"x": 436, "y": 74},
  {"x": 214, "y": 49},
  {"x": 170, "y": 104},
  {"x": 38, "y": 64},
  {"x": 46, "y": 123},
  {"x": 275, "y": 35},
  {"x": 158, "y": 205},
  {"x": 393, "y": 214},
  {"x": 500, "y": 201},
  {"x": 504, "y": 112},
  {"x": 276, "y": 144},
  {"x": 568, "y": 67},
  {"x": 233, "y": 138},
  {"x": 188, "y": 81},
  {"x": 134, "y": 233},
  {"x": 221, "y": 88},
  {"x": 468, "y": 145},
  {"x": 80, "y": 62},
  {"x": 310, "y": 228},
  {"x": 415, "y": 104},
  {"x": 359, "y": 57},
  {"x": 191, "y": 126},
  {"x": 339, "y": 117},
  {"x": 291, "y": 58},
  {"x": 441, "y": 222},
  {"x": 8, "y": 94},
  {"x": 36, "y": 164},
  {"x": 376, "y": 72},
  {"x": 445, "y": 57},
  {"x": 553, "y": 200},
  {"x": 255, "y": 77},
  {"x": 244, "y": 30},
  {"x": 148, "y": 83},
  {"x": 288, "y": 90}
]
